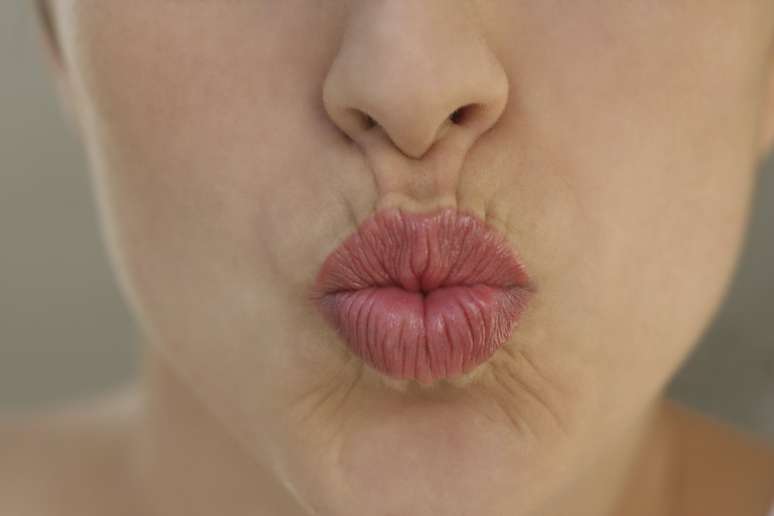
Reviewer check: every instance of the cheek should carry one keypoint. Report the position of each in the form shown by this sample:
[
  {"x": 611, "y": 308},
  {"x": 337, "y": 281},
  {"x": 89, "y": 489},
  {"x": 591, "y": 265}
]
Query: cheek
[
  {"x": 645, "y": 170},
  {"x": 659, "y": 198},
  {"x": 211, "y": 205}
]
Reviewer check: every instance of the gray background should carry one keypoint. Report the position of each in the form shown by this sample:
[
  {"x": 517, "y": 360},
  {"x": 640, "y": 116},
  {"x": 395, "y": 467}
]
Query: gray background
[{"x": 66, "y": 333}]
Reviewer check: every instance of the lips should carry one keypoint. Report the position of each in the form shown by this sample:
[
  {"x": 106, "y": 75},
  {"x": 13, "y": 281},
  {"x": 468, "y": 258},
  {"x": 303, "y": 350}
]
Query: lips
[{"x": 423, "y": 296}]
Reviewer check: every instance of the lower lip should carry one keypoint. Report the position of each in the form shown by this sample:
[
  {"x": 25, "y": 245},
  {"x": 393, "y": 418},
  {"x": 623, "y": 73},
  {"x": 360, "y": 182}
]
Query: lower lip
[{"x": 425, "y": 336}]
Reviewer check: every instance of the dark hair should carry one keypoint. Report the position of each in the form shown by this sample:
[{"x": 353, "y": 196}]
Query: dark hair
[
  {"x": 43, "y": 11},
  {"x": 44, "y": 17}
]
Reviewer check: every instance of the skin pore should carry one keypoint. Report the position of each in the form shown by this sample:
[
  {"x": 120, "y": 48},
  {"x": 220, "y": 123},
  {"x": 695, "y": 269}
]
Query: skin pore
[{"x": 615, "y": 144}]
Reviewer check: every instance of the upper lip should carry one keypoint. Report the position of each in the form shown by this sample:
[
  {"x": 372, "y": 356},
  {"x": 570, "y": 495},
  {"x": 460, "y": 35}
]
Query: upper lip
[{"x": 421, "y": 252}]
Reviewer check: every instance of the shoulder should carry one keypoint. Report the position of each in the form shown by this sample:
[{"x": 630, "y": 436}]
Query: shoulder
[
  {"x": 69, "y": 460},
  {"x": 721, "y": 469}
]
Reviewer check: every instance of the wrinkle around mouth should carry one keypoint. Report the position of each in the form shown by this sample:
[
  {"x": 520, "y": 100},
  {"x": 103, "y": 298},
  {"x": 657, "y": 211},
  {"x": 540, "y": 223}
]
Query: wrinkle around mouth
[{"x": 426, "y": 292}]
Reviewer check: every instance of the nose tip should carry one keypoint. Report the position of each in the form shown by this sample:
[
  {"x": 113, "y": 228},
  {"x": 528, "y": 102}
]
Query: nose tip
[
  {"x": 415, "y": 140},
  {"x": 413, "y": 71}
]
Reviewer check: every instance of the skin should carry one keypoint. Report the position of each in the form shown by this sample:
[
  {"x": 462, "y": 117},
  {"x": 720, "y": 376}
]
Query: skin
[{"x": 615, "y": 144}]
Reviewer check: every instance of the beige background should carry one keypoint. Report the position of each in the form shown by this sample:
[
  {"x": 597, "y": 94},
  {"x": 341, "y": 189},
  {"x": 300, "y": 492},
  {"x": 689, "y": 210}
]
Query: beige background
[{"x": 66, "y": 333}]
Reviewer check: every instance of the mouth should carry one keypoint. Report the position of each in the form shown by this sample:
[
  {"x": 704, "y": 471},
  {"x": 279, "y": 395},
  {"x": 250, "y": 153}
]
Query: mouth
[{"x": 423, "y": 296}]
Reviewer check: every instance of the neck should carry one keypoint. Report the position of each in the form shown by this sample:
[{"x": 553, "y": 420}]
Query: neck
[
  {"x": 641, "y": 473},
  {"x": 188, "y": 464},
  {"x": 187, "y": 461}
]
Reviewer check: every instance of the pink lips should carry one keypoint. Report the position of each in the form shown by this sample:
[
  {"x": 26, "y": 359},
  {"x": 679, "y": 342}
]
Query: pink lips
[{"x": 423, "y": 296}]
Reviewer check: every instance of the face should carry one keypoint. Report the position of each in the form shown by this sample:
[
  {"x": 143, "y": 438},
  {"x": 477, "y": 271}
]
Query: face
[{"x": 613, "y": 144}]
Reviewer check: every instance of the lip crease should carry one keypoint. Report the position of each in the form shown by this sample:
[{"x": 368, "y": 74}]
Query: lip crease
[{"x": 423, "y": 296}]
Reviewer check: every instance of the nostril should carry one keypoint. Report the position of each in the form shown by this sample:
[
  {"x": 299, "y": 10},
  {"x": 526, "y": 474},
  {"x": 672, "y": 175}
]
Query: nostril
[
  {"x": 458, "y": 117},
  {"x": 359, "y": 120},
  {"x": 462, "y": 114}
]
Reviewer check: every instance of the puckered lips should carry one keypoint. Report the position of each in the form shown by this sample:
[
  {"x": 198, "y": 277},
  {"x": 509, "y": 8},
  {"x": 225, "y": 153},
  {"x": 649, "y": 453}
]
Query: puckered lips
[{"x": 423, "y": 296}]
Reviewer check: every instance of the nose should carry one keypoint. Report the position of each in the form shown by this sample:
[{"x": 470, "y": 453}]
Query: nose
[{"x": 417, "y": 71}]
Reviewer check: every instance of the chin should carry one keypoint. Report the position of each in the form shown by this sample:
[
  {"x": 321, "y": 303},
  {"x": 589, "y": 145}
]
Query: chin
[{"x": 418, "y": 451}]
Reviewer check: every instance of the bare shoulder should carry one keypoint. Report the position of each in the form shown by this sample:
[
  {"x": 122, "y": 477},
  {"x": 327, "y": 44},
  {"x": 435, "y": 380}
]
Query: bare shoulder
[
  {"x": 69, "y": 460},
  {"x": 722, "y": 469}
]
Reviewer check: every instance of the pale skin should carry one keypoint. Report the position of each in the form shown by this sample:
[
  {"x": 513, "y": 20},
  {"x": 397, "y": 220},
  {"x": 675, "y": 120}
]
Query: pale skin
[{"x": 616, "y": 146}]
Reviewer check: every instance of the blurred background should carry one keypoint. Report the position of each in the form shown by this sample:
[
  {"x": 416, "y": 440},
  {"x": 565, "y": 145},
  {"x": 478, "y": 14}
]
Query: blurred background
[{"x": 65, "y": 332}]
